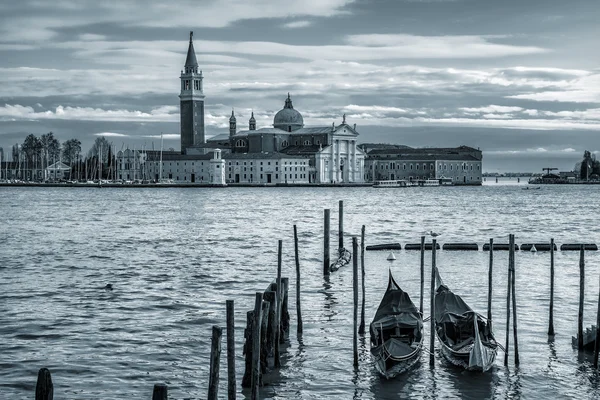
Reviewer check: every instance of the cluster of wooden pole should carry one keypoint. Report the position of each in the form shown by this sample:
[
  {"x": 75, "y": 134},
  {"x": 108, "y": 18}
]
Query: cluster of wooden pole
[{"x": 267, "y": 325}]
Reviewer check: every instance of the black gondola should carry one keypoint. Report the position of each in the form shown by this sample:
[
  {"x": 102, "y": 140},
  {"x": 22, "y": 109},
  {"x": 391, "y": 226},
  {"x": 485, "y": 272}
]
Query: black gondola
[{"x": 396, "y": 332}]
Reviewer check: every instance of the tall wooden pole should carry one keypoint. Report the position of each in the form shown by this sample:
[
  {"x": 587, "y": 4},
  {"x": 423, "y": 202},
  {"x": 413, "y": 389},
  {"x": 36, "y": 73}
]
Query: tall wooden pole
[
  {"x": 508, "y": 293},
  {"x": 256, "y": 371},
  {"x": 551, "y": 321},
  {"x": 231, "y": 386},
  {"x": 597, "y": 344},
  {"x": 298, "y": 309},
  {"x": 215, "y": 358},
  {"x": 326, "y": 259},
  {"x": 341, "y": 226},
  {"x": 581, "y": 297},
  {"x": 489, "y": 309},
  {"x": 44, "y": 389},
  {"x": 514, "y": 297},
  {"x": 361, "y": 328},
  {"x": 432, "y": 308},
  {"x": 422, "y": 273},
  {"x": 160, "y": 392},
  {"x": 278, "y": 300},
  {"x": 355, "y": 287}
]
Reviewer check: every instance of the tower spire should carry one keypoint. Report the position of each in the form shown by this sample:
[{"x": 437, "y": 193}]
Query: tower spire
[{"x": 190, "y": 61}]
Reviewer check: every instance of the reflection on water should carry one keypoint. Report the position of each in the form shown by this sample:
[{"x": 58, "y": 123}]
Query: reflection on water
[{"x": 174, "y": 256}]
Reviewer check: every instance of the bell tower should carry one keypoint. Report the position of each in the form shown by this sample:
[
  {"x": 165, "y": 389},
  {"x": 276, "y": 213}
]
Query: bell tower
[{"x": 191, "y": 101}]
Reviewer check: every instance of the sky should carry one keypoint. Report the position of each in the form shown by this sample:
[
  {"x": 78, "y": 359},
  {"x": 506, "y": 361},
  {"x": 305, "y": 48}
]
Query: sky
[{"x": 519, "y": 79}]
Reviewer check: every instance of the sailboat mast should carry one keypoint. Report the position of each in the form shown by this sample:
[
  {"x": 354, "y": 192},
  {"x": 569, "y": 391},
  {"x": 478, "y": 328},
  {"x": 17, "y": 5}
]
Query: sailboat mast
[{"x": 160, "y": 168}]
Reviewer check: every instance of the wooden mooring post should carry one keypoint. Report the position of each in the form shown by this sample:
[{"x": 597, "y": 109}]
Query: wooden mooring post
[
  {"x": 341, "y": 225},
  {"x": 279, "y": 299},
  {"x": 489, "y": 308},
  {"x": 256, "y": 331},
  {"x": 514, "y": 297},
  {"x": 581, "y": 297},
  {"x": 326, "y": 256},
  {"x": 248, "y": 350},
  {"x": 361, "y": 328},
  {"x": 160, "y": 392},
  {"x": 432, "y": 308},
  {"x": 215, "y": 358},
  {"x": 422, "y": 274},
  {"x": 231, "y": 385},
  {"x": 296, "y": 254},
  {"x": 508, "y": 293},
  {"x": 597, "y": 343},
  {"x": 551, "y": 320},
  {"x": 44, "y": 389},
  {"x": 355, "y": 287}
]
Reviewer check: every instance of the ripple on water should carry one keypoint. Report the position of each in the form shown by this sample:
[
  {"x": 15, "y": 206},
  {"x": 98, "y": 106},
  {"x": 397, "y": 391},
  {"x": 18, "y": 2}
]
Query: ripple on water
[{"x": 172, "y": 270}]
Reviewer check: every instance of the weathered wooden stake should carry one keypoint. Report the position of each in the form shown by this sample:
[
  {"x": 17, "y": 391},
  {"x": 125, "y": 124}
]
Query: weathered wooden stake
[
  {"x": 298, "y": 309},
  {"x": 264, "y": 328},
  {"x": 432, "y": 308},
  {"x": 231, "y": 386},
  {"x": 514, "y": 297},
  {"x": 361, "y": 328},
  {"x": 489, "y": 310},
  {"x": 270, "y": 296},
  {"x": 256, "y": 371},
  {"x": 326, "y": 258},
  {"x": 279, "y": 297},
  {"x": 581, "y": 296},
  {"x": 284, "y": 315},
  {"x": 248, "y": 353},
  {"x": 341, "y": 225},
  {"x": 597, "y": 344},
  {"x": 160, "y": 392},
  {"x": 355, "y": 287},
  {"x": 551, "y": 322},
  {"x": 215, "y": 358},
  {"x": 508, "y": 293},
  {"x": 422, "y": 274},
  {"x": 44, "y": 389}
]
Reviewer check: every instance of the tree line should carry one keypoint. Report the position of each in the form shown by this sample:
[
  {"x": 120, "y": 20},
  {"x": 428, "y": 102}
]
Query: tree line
[{"x": 40, "y": 152}]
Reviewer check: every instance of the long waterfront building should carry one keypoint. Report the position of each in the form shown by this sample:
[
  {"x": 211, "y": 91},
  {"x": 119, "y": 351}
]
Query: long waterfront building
[{"x": 287, "y": 152}]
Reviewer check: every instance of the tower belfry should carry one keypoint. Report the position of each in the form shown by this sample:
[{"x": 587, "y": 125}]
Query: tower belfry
[{"x": 191, "y": 101}]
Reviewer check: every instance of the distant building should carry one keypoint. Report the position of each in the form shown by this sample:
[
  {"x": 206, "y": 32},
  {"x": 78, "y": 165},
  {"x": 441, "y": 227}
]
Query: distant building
[
  {"x": 462, "y": 164},
  {"x": 58, "y": 171}
]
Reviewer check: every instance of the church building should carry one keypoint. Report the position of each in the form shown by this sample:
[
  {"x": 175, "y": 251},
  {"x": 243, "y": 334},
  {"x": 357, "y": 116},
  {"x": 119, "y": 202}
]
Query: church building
[{"x": 288, "y": 152}]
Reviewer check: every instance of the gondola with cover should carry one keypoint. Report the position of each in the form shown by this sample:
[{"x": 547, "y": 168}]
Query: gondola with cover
[
  {"x": 465, "y": 336},
  {"x": 396, "y": 332}
]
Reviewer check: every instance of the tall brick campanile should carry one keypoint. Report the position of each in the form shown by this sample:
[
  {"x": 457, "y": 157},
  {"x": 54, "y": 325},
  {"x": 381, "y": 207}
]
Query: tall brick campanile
[{"x": 191, "y": 103}]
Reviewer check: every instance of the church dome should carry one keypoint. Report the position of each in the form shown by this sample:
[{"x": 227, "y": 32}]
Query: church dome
[{"x": 288, "y": 119}]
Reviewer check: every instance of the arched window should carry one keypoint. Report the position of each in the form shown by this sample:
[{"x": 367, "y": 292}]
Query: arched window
[
  {"x": 240, "y": 143},
  {"x": 307, "y": 143},
  {"x": 284, "y": 144}
]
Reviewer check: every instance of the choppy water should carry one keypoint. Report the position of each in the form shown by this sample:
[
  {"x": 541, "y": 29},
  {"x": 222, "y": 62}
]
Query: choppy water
[{"x": 175, "y": 255}]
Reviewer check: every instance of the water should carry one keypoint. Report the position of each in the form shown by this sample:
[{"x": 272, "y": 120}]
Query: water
[{"x": 175, "y": 255}]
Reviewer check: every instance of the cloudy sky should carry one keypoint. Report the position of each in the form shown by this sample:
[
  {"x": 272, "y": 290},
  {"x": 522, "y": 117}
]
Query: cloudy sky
[{"x": 518, "y": 78}]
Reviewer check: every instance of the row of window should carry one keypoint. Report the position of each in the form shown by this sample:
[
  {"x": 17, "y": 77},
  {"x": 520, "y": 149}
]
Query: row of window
[{"x": 441, "y": 166}]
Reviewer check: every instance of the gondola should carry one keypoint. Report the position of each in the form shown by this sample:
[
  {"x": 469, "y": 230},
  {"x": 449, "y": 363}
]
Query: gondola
[
  {"x": 465, "y": 336},
  {"x": 396, "y": 332}
]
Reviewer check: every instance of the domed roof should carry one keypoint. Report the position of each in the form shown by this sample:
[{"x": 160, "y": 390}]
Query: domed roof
[{"x": 288, "y": 118}]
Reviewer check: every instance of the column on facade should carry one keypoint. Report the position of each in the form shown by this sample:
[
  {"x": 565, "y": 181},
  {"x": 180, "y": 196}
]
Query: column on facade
[
  {"x": 354, "y": 168},
  {"x": 332, "y": 166},
  {"x": 338, "y": 162}
]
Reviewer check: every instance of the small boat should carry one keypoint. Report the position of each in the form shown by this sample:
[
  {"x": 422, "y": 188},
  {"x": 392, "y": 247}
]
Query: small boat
[
  {"x": 465, "y": 336},
  {"x": 396, "y": 332},
  {"x": 390, "y": 184}
]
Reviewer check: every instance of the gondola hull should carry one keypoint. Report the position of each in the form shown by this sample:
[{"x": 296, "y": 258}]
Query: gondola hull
[
  {"x": 390, "y": 365},
  {"x": 468, "y": 357}
]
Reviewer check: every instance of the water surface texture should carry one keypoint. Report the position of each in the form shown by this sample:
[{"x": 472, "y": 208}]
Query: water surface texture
[{"x": 174, "y": 256}]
